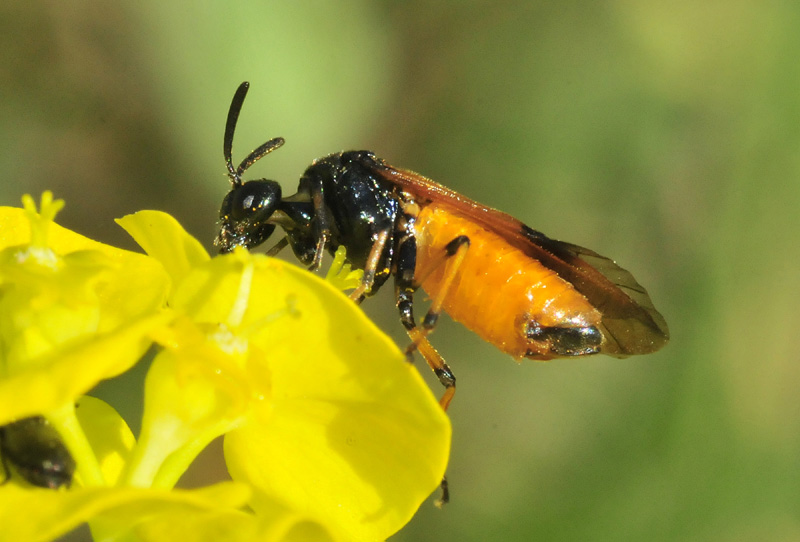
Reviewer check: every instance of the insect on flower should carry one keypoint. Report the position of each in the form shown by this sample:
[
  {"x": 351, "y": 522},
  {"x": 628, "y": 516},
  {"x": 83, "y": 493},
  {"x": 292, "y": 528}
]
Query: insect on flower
[
  {"x": 35, "y": 450},
  {"x": 529, "y": 295}
]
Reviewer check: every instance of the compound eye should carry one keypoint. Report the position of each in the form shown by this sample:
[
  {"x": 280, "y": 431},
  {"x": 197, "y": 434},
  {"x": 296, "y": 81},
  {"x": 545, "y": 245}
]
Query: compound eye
[{"x": 255, "y": 200}]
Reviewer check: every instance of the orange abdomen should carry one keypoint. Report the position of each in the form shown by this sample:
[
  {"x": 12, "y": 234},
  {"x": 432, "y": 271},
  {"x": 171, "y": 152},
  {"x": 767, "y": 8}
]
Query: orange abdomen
[{"x": 497, "y": 290}]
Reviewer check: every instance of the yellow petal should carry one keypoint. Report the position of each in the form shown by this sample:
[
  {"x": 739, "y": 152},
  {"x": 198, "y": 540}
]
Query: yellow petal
[
  {"x": 350, "y": 434},
  {"x": 67, "y": 373},
  {"x": 39, "y": 514},
  {"x": 109, "y": 436},
  {"x": 138, "y": 283},
  {"x": 164, "y": 239}
]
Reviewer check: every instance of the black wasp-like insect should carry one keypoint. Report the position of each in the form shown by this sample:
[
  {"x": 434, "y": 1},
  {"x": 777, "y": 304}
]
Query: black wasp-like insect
[{"x": 529, "y": 295}]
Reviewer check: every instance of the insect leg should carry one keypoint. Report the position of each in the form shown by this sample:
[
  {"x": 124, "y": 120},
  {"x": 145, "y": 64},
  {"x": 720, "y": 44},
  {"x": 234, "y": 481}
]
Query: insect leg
[
  {"x": 371, "y": 267},
  {"x": 445, "y": 498},
  {"x": 452, "y": 257},
  {"x": 280, "y": 245},
  {"x": 455, "y": 251},
  {"x": 323, "y": 229},
  {"x": 404, "y": 288}
]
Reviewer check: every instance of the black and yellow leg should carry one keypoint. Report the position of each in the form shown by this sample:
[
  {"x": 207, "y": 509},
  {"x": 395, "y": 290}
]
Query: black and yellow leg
[
  {"x": 404, "y": 289},
  {"x": 432, "y": 357},
  {"x": 280, "y": 245},
  {"x": 435, "y": 361},
  {"x": 323, "y": 228},
  {"x": 454, "y": 253},
  {"x": 371, "y": 267},
  {"x": 453, "y": 256}
]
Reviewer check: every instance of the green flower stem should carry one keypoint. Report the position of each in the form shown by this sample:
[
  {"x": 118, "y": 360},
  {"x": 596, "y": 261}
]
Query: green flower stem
[
  {"x": 149, "y": 454},
  {"x": 161, "y": 462},
  {"x": 66, "y": 423},
  {"x": 178, "y": 462}
]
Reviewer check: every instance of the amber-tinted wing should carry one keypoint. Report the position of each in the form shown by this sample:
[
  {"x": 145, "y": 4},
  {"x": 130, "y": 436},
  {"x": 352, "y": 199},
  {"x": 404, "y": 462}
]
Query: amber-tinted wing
[{"x": 631, "y": 324}]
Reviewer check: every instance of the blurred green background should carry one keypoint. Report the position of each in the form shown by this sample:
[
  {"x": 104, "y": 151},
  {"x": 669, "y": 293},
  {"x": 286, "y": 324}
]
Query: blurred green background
[{"x": 663, "y": 134}]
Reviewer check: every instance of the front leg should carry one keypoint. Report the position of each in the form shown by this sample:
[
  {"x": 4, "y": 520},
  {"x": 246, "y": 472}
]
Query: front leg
[
  {"x": 371, "y": 267},
  {"x": 323, "y": 229}
]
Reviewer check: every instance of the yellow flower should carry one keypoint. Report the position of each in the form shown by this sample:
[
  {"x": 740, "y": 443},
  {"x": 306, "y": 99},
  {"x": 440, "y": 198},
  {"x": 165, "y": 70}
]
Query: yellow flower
[
  {"x": 329, "y": 433},
  {"x": 322, "y": 412},
  {"x": 68, "y": 318}
]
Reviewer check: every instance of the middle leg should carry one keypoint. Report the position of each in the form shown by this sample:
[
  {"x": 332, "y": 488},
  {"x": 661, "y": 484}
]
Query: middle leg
[{"x": 406, "y": 285}]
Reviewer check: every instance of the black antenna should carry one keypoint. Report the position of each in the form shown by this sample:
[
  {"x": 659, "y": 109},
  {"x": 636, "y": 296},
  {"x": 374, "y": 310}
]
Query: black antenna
[{"x": 235, "y": 175}]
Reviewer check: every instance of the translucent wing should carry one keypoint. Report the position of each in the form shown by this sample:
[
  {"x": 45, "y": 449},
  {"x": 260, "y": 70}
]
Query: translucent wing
[{"x": 631, "y": 324}]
